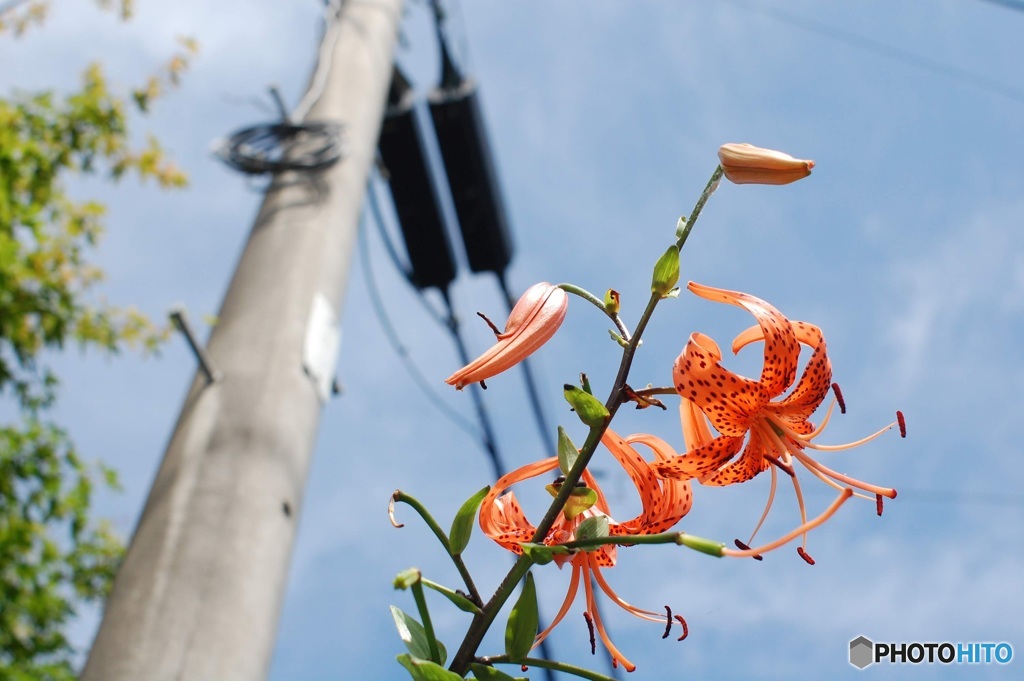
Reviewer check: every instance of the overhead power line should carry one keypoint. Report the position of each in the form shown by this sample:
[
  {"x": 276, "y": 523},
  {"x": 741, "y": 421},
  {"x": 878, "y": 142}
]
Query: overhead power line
[{"x": 885, "y": 50}]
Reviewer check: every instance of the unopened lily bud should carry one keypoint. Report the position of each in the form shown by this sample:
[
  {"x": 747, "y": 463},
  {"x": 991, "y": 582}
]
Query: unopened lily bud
[
  {"x": 666, "y": 272},
  {"x": 587, "y": 407},
  {"x": 747, "y": 164}
]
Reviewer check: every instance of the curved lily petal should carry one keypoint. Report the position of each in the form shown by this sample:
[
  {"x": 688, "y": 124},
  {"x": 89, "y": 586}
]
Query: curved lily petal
[
  {"x": 702, "y": 460},
  {"x": 664, "y": 502},
  {"x": 729, "y": 400},
  {"x": 746, "y": 467},
  {"x": 781, "y": 349}
]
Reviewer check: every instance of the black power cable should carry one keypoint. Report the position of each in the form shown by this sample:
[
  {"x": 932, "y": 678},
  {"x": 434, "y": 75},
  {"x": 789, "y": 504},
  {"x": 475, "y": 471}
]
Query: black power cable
[{"x": 277, "y": 147}]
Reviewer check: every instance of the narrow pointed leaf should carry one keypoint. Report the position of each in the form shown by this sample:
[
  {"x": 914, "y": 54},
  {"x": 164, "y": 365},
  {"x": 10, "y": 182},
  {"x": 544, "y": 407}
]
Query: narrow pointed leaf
[
  {"x": 462, "y": 526},
  {"x": 425, "y": 670},
  {"x": 456, "y": 597},
  {"x": 414, "y": 636},
  {"x": 567, "y": 452},
  {"x": 522, "y": 622}
]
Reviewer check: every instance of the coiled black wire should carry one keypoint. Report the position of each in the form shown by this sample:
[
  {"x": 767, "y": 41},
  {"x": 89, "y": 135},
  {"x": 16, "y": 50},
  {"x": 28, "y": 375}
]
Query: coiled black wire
[{"x": 277, "y": 147}]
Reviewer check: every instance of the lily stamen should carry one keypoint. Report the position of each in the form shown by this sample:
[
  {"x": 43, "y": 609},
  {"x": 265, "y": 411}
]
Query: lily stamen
[
  {"x": 590, "y": 628},
  {"x": 839, "y": 398},
  {"x": 813, "y": 464},
  {"x": 744, "y": 547},
  {"x": 686, "y": 629},
  {"x": 802, "y": 530}
]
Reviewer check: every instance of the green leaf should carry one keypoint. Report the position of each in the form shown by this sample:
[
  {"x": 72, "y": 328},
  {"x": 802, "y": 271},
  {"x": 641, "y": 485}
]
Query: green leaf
[
  {"x": 522, "y": 622},
  {"x": 567, "y": 452},
  {"x": 593, "y": 528},
  {"x": 462, "y": 526},
  {"x": 414, "y": 636},
  {"x": 666, "y": 272},
  {"x": 425, "y": 670},
  {"x": 485, "y": 673},
  {"x": 456, "y": 597}
]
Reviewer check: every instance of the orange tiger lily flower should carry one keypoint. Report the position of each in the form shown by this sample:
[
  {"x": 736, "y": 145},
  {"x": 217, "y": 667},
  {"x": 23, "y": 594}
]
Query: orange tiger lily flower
[
  {"x": 533, "y": 321},
  {"x": 776, "y": 429},
  {"x": 747, "y": 164},
  {"x": 664, "y": 502}
]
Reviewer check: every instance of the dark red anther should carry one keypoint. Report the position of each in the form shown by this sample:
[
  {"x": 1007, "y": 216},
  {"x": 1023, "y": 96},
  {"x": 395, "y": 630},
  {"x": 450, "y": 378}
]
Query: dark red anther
[
  {"x": 878, "y": 504},
  {"x": 839, "y": 398},
  {"x": 806, "y": 556},
  {"x": 524, "y": 668},
  {"x": 668, "y": 622},
  {"x": 743, "y": 547},
  {"x": 489, "y": 323},
  {"x": 590, "y": 626},
  {"x": 903, "y": 423},
  {"x": 483, "y": 386},
  {"x": 686, "y": 629}
]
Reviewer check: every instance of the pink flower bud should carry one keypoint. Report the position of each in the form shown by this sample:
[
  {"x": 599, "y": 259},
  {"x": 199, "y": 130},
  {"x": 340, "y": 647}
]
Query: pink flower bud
[
  {"x": 747, "y": 164},
  {"x": 533, "y": 322}
]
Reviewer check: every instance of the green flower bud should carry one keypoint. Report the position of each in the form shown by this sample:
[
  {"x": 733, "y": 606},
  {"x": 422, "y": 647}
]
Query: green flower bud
[
  {"x": 406, "y": 578},
  {"x": 611, "y": 301},
  {"x": 666, "y": 272},
  {"x": 587, "y": 407},
  {"x": 712, "y": 548}
]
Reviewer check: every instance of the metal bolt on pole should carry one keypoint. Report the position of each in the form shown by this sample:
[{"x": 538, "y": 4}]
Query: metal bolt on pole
[{"x": 199, "y": 593}]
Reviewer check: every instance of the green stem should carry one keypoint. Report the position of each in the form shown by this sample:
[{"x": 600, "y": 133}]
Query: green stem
[
  {"x": 709, "y": 189},
  {"x": 707, "y": 546},
  {"x": 400, "y": 496},
  {"x": 547, "y": 664},
  {"x": 428, "y": 627},
  {"x": 599, "y": 304},
  {"x": 621, "y": 540}
]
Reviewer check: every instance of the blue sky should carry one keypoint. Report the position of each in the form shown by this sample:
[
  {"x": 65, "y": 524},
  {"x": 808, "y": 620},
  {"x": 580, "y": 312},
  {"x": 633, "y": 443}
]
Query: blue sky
[{"x": 905, "y": 246}]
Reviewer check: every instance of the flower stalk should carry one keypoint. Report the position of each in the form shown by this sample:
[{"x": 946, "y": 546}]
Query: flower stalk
[
  {"x": 482, "y": 622},
  {"x": 460, "y": 565}
]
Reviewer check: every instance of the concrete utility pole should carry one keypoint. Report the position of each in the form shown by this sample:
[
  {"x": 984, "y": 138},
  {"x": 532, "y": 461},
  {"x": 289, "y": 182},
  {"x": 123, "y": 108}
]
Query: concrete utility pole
[{"x": 200, "y": 591}]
